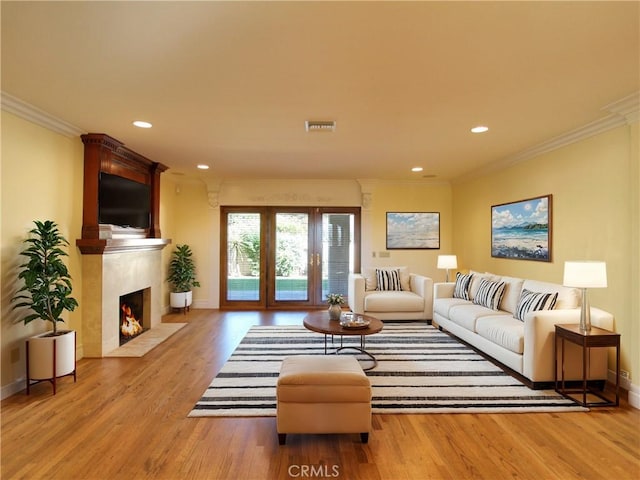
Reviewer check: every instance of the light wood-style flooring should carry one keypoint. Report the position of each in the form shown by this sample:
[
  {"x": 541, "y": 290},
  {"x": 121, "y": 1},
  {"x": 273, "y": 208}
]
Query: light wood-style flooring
[{"x": 126, "y": 418}]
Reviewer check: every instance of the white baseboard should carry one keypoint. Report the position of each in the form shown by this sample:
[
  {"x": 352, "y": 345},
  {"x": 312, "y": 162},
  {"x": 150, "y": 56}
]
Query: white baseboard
[
  {"x": 624, "y": 382},
  {"x": 12, "y": 388},
  {"x": 634, "y": 390},
  {"x": 634, "y": 396},
  {"x": 203, "y": 304}
]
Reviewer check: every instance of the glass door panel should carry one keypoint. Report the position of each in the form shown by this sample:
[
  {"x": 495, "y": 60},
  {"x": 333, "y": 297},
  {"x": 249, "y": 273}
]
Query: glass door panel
[
  {"x": 292, "y": 257},
  {"x": 243, "y": 280},
  {"x": 338, "y": 252}
]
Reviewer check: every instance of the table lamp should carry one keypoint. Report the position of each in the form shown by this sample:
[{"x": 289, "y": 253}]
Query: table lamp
[
  {"x": 585, "y": 274},
  {"x": 447, "y": 262}
]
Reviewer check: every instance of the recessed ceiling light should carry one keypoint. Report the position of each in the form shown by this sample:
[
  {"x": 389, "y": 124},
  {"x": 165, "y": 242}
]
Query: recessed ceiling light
[
  {"x": 417, "y": 169},
  {"x": 142, "y": 124},
  {"x": 479, "y": 129},
  {"x": 202, "y": 166}
]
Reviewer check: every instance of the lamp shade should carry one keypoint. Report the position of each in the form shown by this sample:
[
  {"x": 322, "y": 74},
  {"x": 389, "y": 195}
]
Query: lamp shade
[
  {"x": 447, "y": 261},
  {"x": 585, "y": 274}
]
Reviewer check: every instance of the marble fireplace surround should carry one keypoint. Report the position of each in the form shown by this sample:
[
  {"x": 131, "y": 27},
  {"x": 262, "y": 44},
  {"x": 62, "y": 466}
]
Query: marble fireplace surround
[{"x": 105, "y": 278}]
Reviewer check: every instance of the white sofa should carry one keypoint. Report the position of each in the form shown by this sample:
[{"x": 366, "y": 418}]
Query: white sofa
[
  {"x": 413, "y": 302},
  {"x": 525, "y": 346}
]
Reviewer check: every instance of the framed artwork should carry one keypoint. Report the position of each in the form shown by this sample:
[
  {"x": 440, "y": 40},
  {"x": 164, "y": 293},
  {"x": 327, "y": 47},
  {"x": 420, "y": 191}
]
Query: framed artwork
[
  {"x": 522, "y": 230},
  {"x": 413, "y": 230}
]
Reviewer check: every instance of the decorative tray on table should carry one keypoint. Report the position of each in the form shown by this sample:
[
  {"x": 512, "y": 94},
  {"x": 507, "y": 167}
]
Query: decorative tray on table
[{"x": 353, "y": 322}]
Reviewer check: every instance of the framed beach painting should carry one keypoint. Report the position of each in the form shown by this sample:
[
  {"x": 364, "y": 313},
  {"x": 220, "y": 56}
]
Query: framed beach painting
[
  {"x": 522, "y": 230},
  {"x": 413, "y": 230}
]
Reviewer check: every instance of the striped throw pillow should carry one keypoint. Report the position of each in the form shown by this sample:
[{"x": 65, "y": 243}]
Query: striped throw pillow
[
  {"x": 388, "y": 280},
  {"x": 533, "y": 302},
  {"x": 461, "y": 289},
  {"x": 489, "y": 294}
]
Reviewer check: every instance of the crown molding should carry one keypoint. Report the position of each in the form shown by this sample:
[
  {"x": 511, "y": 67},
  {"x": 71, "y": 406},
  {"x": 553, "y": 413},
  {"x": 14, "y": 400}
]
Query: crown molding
[
  {"x": 35, "y": 115},
  {"x": 621, "y": 112},
  {"x": 573, "y": 136},
  {"x": 627, "y": 107}
]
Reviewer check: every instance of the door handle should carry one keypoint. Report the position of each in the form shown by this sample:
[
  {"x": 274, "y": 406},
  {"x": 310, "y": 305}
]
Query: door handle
[{"x": 317, "y": 259}]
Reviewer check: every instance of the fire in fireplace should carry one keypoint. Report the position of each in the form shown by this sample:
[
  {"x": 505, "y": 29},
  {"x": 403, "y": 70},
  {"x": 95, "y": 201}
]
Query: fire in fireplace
[{"x": 131, "y": 315}]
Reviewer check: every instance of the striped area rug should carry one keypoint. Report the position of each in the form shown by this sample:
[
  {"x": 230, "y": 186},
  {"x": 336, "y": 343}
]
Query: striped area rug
[{"x": 420, "y": 370}]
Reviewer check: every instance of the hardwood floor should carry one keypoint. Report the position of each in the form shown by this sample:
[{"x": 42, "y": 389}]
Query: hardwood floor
[{"x": 126, "y": 418}]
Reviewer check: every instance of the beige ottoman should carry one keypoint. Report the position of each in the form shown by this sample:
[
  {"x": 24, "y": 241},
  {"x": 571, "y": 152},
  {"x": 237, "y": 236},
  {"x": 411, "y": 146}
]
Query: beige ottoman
[{"x": 323, "y": 394}]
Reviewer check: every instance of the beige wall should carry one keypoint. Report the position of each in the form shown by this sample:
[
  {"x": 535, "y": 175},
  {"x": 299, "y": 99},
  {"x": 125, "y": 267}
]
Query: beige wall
[
  {"x": 196, "y": 217},
  {"x": 167, "y": 229},
  {"x": 193, "y": 221},
  {"x": 592, "y": 210},
  {"x": 633, "y": 325},
  {"x": 41, "y": 180},
  {"x": 406, "y": 197}
]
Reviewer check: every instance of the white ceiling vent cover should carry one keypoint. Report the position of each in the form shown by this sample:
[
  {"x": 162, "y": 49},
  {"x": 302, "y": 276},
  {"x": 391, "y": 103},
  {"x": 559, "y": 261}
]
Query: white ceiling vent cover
[{"x": 319, "y": 126}]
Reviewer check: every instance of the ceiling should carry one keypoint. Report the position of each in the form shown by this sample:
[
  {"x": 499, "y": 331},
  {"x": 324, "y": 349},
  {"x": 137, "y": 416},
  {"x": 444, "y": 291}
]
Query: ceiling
[{"x": 230, "y": 84}]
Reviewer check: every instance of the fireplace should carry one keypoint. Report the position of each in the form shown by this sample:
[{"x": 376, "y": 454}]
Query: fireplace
[
  {"x": 107, "y": 278},
  {"x": 132, "y": 322},
  {"x": 118, "y": 260}
]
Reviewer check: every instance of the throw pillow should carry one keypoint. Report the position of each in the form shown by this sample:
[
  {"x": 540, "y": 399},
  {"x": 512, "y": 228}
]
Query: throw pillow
[
  {"x": 370, "y": 282},
  {"x": 533, "y": 302},
  {"x": 388, "y": 280},
  {"x": 461, "y": 289},
  {"x": 489, "y": 294},
  {"x": 477, "y": 280}
]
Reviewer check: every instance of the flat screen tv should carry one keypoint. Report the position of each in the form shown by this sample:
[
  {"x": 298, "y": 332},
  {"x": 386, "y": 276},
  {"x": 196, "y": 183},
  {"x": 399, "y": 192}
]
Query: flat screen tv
[{"x": 123, "y": 202}]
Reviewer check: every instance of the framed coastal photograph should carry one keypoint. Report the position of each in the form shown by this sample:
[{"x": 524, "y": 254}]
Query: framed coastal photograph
[
  {"x": 522, "y": 230},
  {"x": 413, "y": 230}
]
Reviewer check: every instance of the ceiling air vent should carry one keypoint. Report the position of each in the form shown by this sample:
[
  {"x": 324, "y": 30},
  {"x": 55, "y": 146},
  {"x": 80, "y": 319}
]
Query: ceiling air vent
[{"x": 319, "y": 126}]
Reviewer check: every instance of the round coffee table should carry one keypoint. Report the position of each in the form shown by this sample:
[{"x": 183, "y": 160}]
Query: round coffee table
[{"x": 318, "y": 321}]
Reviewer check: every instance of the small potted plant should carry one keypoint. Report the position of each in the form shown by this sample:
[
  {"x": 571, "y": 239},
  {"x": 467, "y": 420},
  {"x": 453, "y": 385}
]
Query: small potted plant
[
  {"x": 335, "y": 301},
  {"x": 47, "y": 294},
  {"x": 182, "y": 277}
]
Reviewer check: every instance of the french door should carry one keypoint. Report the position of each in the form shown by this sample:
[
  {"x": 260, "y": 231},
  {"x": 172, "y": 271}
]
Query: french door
[{"x": 286, "y": 257}]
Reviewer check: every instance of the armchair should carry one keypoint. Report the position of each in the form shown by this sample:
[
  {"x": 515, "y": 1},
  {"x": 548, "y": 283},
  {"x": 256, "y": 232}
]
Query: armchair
[{"x": 413, "y": 302}]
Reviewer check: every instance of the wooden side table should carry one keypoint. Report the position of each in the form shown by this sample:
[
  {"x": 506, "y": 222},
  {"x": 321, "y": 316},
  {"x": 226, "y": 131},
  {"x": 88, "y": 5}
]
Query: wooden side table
[{"x": 596, "y": 337}]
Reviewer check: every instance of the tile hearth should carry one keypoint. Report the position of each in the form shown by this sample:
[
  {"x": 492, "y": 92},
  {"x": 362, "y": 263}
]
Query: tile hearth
[{"x": 145, "y": 342}]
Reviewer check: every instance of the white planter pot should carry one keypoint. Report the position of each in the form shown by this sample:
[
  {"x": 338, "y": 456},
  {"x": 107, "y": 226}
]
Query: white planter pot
[
  {"x": 181, "y": 299},
  {"x": 50, "y": 357}
]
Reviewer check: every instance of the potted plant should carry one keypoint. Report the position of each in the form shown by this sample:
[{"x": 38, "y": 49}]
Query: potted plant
[
  {"x": 47, "y": 294},
  {"x": 182, "y": 277},
  {"x": 335, "y": 300}
]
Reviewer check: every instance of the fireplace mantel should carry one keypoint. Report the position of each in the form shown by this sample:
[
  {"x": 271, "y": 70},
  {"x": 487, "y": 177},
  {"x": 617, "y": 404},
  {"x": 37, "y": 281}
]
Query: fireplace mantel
[{"x": 104, "y": 246}]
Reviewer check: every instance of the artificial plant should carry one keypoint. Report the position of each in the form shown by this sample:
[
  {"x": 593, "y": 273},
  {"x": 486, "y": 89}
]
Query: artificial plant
[{"x": 47, "y": 284}]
